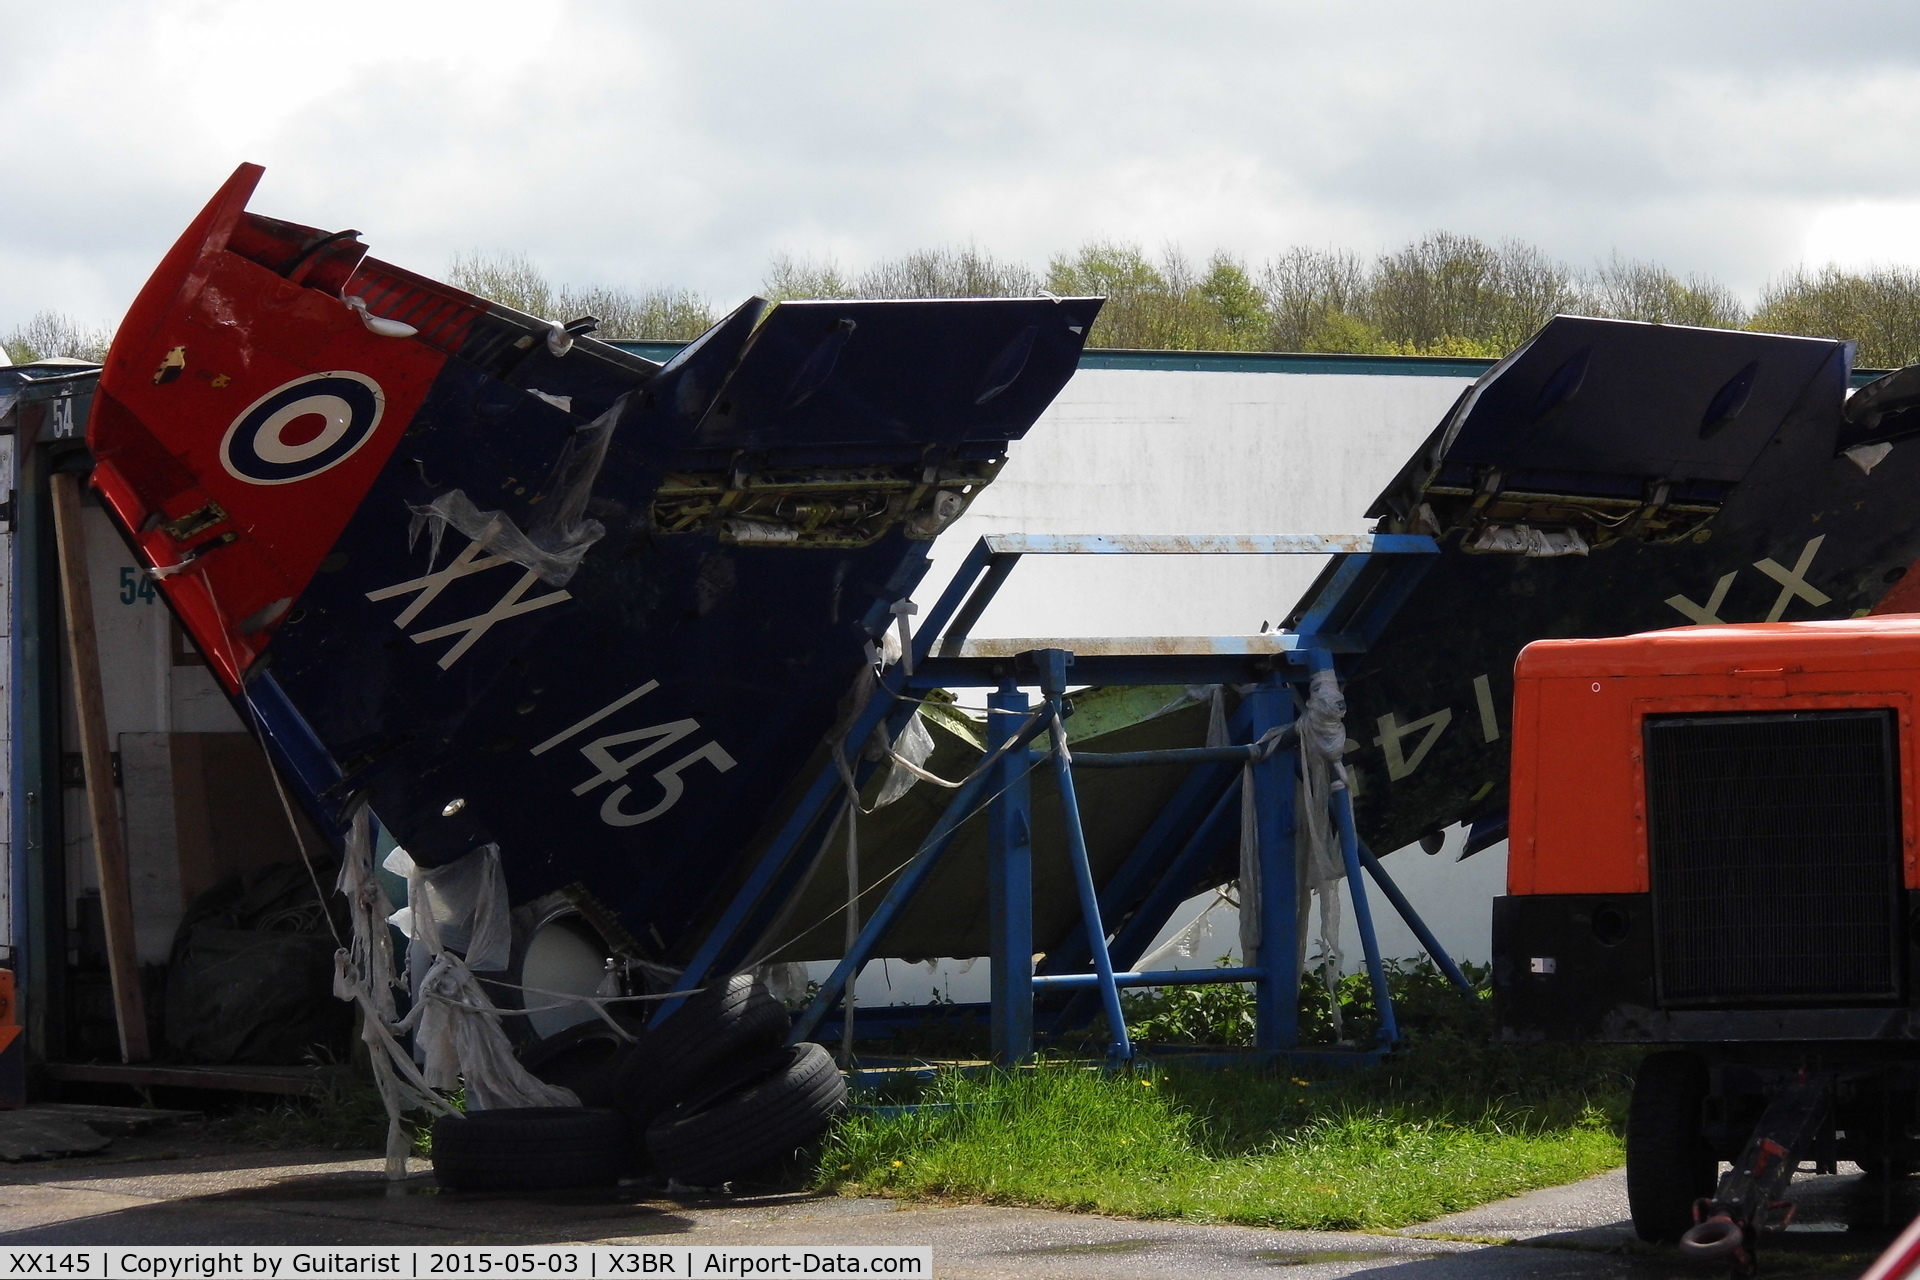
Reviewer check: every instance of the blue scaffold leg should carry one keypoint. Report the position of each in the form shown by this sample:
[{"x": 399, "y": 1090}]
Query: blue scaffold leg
[
  {"x": 1276, "y": 1010},
  {"x": 1010, "y": 885},
  {"x": 913, "y": 875},
  {"x": 1415, "y": 923},
  {"x": 1053, "y": 666},
  {"x": 1363, "y": 914}
]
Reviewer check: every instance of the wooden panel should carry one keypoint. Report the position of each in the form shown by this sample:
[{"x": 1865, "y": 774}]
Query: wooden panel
[
  {"x": 109, "y": 852},
  {"x": 227, "y": 814},
  {"x": 153, "y": 851},
  {"x": 290, "y": 1080}
]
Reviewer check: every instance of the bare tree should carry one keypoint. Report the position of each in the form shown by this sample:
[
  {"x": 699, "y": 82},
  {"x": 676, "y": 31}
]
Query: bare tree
[
  {"x": 52, "y": 333},
  {"x": 790, "y": 278},
  {"x": 1629, "y": 290},
  {"x": 1311, "y": 294},
  {"x": 510, "y": 279},
  {"x": 1879, "y": 309},
  {"x": 947, "y": 273},
  {"x": 1448, "y": 289},
  {"x": 513, "y": 280}
]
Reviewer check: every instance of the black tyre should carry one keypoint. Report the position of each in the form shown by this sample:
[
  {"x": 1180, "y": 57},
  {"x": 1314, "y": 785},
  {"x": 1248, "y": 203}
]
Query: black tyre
[
  {"x": 530, "y": 1149},
  {"x": 1669, "y": 1165},
  {"x": 762, "y": 1114},
  {"x": 723, "y": 1024},
  {"x": 585, "y": 1058}
]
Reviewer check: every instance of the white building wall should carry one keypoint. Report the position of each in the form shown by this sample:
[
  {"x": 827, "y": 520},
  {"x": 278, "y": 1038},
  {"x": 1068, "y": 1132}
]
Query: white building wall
[
  {"x": 148, "y": 697},
  {"x": 1189, "y": 452},
  {"x": 1157, "y": 451}
]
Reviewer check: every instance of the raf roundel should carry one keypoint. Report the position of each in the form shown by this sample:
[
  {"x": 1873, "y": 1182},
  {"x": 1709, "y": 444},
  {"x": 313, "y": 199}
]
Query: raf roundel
[{"x": 302, "y": 428}]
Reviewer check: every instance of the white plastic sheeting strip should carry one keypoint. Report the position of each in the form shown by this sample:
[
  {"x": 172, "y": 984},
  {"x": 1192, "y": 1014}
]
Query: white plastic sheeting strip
[
  {"x": 909, "y": 754},
  {"x": 1319, "y": 863},
  {"x": 559, "y": 535},
  {"x": 363, "y": 973},
  {"x": 457, "y": 1035},
  {"x": 1186, "y": 942}
]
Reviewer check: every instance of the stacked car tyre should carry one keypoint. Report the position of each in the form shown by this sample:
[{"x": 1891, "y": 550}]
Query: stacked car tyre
[
  {"x": 530, "y": 1149},
  {"x": 724, "y": 1024},
  {"x": 711, "y": 1095},
  {"x": 761, "y": 1114}
]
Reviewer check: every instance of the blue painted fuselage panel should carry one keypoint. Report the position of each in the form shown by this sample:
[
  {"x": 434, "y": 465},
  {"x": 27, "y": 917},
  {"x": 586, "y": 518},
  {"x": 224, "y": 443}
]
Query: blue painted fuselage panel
[{"x": 631, "y": 730}]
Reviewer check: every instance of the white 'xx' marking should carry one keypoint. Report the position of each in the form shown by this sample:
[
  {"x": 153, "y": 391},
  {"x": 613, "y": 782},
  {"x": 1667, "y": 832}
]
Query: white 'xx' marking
[
  {"x": 1793, "y": 581},
  {"x": 428, "y": 588},
  {"x": 1710, "y": 612}
]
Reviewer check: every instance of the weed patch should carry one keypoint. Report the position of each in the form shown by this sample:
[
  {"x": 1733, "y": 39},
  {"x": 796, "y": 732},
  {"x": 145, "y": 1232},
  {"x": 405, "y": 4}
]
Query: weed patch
[{"x": 346, "y": 1114}]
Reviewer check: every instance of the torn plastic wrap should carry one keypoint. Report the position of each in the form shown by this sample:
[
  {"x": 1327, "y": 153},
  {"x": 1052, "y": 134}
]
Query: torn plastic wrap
[
  {"x": 786, "y": 981},
  {"x": 560, "y": 533},
  {"x": 363, "y": 974},
  {"x": 456, "y": 1028},
  {"x": 907, "y": 760},
  {"x": 467, "y": 899},
  {"x": 1319, "y": 864}
]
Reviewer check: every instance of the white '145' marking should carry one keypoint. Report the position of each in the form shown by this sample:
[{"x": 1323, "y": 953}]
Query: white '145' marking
[{"x": 611, "y": 768}]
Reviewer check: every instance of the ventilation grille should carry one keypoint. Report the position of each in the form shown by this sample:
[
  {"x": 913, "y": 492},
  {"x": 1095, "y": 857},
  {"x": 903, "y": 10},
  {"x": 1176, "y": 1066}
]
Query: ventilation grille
[{"x": 1774, "y": 842}]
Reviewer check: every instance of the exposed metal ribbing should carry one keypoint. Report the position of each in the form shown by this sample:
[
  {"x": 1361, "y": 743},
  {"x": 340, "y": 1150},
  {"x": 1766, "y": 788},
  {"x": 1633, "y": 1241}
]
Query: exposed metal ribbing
[{"x": 1774, "y": 844}]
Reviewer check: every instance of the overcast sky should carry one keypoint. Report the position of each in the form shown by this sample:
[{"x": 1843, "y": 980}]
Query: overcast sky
[{"x": 644, "y": 144}]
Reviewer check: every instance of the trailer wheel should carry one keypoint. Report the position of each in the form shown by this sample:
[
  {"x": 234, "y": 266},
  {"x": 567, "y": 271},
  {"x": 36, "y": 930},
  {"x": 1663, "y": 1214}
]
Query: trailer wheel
[
  {"x": 530, "y": 1149},
  {"x": 762, "y": 1114},
  {"x": 1669, "y": 1165},
  {"x": 722, "y": 1024}
]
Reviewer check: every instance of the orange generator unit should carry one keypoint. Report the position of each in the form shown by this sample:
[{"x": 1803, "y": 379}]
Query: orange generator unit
[{"x": 1712, "y": 850}]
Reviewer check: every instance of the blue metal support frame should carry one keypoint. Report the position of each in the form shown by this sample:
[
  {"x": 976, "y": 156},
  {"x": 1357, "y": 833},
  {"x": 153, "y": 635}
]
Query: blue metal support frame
[
  {"x": 779, "y": 854},
  {"x": 1276, "y": 1014},
  {"x": 1355, "y": 599},
  {"x": 1158, "y": 978},
  {"x": 1053, "y": 684},
  {"x": 958, "y": 810},
  {"x": 1010, "y": 886},
  {"x": 1363, "y": 914},
  {"x": 1193, "y": 801},
  {"x": 1413, "y": 920}
]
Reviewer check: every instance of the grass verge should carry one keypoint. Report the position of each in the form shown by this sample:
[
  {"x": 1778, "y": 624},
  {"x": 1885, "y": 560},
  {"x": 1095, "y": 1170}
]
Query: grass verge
[{"x": 1451, "y": 1122}]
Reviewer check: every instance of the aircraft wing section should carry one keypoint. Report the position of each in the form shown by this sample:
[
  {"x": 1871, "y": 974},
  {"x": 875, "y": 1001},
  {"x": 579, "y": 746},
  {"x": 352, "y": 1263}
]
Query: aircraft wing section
[{"x": 1611, "y": 477}]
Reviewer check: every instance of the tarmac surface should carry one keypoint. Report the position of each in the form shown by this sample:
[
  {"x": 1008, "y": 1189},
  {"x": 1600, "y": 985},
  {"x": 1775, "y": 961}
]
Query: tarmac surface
[{"x": 168, "y": 1188}]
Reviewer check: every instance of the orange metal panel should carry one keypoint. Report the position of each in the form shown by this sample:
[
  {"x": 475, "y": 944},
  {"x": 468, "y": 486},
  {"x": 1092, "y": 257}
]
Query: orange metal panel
[{"x": 1577, "y": 822}]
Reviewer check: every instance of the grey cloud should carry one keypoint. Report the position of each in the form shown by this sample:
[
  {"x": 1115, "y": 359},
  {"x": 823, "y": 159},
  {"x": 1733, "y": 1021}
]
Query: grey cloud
[{"x": 654, "y": 144}]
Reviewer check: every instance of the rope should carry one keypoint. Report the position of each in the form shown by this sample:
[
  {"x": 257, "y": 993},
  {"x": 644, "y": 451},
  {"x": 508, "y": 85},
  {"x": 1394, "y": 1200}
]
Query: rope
[
  {"x": 979, "y": 808},
  {"x": 299, "y": 838},
  {"x": 919, "y": 773}
]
